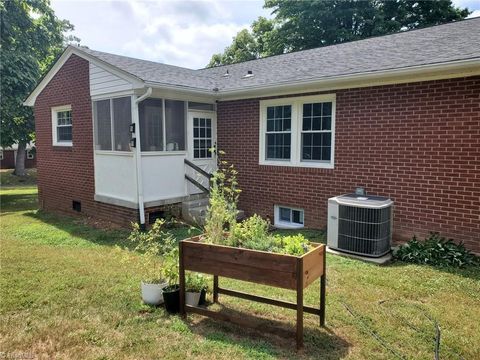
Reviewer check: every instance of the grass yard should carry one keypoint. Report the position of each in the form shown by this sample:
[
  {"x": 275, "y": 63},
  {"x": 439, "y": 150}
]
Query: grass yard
[
  {"x": 8, "y": 179},
  {"x": 65, "y": 294}
]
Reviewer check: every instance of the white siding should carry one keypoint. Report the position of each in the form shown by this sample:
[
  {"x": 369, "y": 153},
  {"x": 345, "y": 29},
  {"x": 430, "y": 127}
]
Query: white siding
[
  {"x": 103, "y": 81},
  {"x": 115, "y": 177},
  {"x": 163, "y": 176}
]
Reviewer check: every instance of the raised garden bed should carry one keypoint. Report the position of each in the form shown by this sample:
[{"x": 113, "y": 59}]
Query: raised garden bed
[{"x": 279, "y": 270}]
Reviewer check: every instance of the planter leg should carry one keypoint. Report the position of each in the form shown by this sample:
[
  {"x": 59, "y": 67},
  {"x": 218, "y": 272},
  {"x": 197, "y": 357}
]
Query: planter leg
[
  {"x": 181, "y": 276},
  {"x": 299, "y": 334},
  {"x": 215, "y": 288},
  {"x": 323, "y": 283}
]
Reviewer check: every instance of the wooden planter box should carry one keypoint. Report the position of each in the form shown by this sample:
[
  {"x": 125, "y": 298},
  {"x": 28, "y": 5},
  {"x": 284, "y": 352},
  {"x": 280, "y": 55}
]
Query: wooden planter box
[{"x": 279, "y": 270}]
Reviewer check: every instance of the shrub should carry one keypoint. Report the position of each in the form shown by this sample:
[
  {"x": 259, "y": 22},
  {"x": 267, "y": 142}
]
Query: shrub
[
  {"x": 152, "y": 245},
  {"x": 436, "y": 250},
  {"x": 222, "y": 207}
]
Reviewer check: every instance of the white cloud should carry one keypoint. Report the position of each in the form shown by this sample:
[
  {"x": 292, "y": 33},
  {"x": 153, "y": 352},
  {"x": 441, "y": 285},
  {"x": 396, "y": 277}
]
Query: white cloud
[
  {"x": 183, "y": 33},
  {"x": 475, "y": 13}
]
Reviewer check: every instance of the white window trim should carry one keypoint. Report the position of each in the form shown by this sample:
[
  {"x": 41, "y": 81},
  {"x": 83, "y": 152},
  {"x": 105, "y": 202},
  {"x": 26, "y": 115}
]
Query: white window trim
[
  {"x": 1, "y": 154},
  {"x": 296, "y": 131},
  {"x": 285, "y": 224},
  {"x": 56, "y": 110},
  {"x": 30, "y": 155}
]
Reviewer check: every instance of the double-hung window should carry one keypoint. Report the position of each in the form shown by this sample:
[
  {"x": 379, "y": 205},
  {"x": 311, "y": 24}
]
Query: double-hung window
[
  {"x": 62, "y": 125},
  {"x": 298, "y": 131}
]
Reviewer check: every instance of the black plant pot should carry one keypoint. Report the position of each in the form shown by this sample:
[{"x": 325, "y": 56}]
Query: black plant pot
[
  {"x": 203, "y": 297},
  {"x": 171, "y": 297}
]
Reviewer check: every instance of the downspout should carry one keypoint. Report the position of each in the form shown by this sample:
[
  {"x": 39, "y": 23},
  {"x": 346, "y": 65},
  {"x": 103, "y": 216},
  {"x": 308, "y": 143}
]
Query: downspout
[{"x": 138, "y": 156}]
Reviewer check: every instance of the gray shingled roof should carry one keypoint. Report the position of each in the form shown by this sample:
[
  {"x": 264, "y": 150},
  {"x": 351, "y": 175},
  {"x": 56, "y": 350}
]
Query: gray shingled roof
[{"x": 433, "y": 45}]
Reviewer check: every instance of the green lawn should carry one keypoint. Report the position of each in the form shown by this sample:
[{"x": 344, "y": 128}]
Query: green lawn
[
  {"x": 8, "y": 179},
  {"x": 66, "y": 294}
]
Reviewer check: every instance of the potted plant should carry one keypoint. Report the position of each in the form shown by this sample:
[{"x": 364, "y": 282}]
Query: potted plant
[
  {"x": 151, "y": 246},
  {"x": 195, "y": 284},
  {"x": 171, "y": 293}
]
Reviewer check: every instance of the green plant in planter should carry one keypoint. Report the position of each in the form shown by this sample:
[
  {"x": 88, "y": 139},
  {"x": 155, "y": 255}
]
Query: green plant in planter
[
  {"x": 170, "y": 268},
  {"x": 221, "y": 225},
  {"x": 195, "y": 282},
  {"x": 252, "y": 233},
  {"x": 222, "y": 208},
  {"x": 292, "y": 245}
]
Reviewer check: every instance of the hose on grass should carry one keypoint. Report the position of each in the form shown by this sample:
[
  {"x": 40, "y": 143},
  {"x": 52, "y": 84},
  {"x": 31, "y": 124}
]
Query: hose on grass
[
  {"x": 367, "y": 328},
  {"x": 424, "y": 334}
]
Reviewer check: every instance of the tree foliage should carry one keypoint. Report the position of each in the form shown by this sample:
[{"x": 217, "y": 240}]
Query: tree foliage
[
  {"x": 300, "y": 25},
  {"x": 31, "y": 38}
]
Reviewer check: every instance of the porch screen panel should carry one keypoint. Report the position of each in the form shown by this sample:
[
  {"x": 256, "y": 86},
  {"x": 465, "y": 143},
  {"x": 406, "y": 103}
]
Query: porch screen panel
[
  {"x": 103, "y": 126},
  {"x": 175, "y": 119},
  {"x": 151, "y": 125},
  {"x": 122, "y": 118}
]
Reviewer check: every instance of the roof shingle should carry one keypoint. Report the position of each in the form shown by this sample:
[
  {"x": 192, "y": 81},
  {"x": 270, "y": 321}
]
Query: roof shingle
[{"x": 434, "y": 45}]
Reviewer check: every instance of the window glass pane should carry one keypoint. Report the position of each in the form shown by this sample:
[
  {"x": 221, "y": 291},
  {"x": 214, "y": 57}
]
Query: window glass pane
[
  {"x": 64, "y": 133},
  {"x": 297, "y": 216},
  {"x": 327, "y": 109},
  {"x": 326, "y": 123},
  {"x": 202, "y": 138},
  {"x": 122, "y": 118},
  {"x": 103, "y": 126},
  {"x": 284, "y": 214},
  {"x": 151, "y": 127},
  {"x": 64, "y": 117},
  {"x": 175, "y": 125},
  {"x": 200, "y": 106}
]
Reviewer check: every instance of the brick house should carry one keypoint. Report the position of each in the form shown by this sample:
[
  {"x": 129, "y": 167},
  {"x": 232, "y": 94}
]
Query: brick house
[
  {"x": 121, "y": 138},
  {"x": 8, "y": 157}
]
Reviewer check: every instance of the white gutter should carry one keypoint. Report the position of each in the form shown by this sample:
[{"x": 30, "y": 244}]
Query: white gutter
[{"x": 138, "y": 155}]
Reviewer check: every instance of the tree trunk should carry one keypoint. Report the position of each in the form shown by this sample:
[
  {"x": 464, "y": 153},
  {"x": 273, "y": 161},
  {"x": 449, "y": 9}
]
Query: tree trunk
[{"x": 20, "y": 160}]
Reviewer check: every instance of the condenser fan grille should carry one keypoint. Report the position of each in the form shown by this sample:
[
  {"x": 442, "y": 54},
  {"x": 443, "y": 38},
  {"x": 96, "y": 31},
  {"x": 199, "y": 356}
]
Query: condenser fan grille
[{"x": 364, "y": 230}]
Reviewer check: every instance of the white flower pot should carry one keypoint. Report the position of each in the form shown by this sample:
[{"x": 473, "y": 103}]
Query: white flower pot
[
  {"x": 152, "y": 293},
  {"x": 192, "y": 298}
]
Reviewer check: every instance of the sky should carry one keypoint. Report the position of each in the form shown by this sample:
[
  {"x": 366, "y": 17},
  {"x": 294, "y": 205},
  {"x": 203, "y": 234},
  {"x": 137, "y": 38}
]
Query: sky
[{"x": 183, "y": 33}]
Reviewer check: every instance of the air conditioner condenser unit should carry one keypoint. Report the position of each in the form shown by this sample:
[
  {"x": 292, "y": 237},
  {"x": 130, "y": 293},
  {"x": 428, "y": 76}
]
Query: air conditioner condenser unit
[{"x": 360, "y": 224}]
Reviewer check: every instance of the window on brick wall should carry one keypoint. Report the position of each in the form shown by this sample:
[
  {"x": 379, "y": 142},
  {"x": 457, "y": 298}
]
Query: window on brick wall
[
  {"x": 298, "y": 131},
  {"x": 112, "y": 119},
  {"x": 62, "y": 125},
  {"x": 288, "y": 217}
]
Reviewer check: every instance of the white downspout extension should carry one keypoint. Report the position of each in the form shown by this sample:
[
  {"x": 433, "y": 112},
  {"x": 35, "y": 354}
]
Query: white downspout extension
[{"x": 138, "y": 156}]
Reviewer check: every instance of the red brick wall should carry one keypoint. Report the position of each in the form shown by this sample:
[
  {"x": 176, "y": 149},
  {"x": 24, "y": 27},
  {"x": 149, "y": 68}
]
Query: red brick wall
[
  {"x": 67, "y": 173},
  {"x": 417, "y": 143}
]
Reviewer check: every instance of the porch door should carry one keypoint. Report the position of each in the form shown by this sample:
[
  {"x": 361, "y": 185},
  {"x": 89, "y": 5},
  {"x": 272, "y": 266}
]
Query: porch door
[{"x": 202, "y": 137}]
